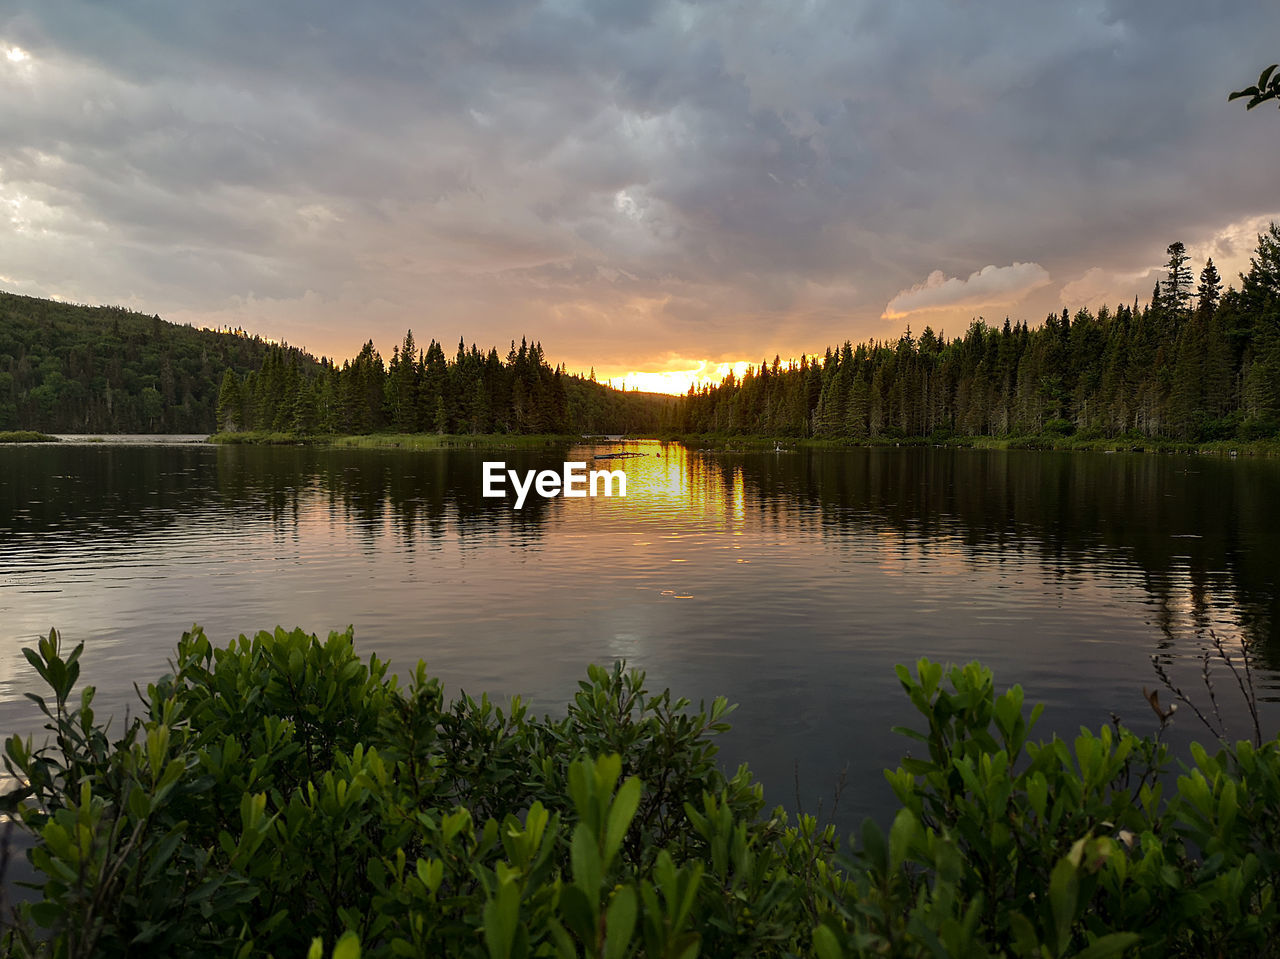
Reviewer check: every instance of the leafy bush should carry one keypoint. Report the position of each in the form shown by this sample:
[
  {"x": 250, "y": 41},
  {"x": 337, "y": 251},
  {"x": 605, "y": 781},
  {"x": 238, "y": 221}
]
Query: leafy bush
[{"x": 282, "y": 797}]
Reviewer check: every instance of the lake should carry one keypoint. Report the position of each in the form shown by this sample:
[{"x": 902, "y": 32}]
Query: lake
[{"x": 791, "y": 582}]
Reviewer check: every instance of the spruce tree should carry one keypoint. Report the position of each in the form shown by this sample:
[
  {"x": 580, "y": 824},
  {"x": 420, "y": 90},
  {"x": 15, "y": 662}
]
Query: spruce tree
[
  {"x": 1177, "y": 284},
  {"x": 1209, "y": 292},
  {"x": 230, "y": 404}
]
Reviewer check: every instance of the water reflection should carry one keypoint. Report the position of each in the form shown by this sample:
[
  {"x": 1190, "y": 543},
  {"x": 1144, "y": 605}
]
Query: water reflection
[
  {"x": 410, "y": 496},
  {"x": 791, "y": 582},
  {"x": 1193, "y": 528},
  {"x": 1190, "y": 530}
]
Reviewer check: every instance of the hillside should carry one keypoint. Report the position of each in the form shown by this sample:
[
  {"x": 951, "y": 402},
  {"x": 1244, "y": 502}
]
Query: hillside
[{"x": 66, "y": 368}]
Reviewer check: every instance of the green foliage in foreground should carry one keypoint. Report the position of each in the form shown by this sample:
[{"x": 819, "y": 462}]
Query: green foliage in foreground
[
  {"x": 26, "y": 436},
  {"x": 281, "y": 797},
  {"x": 1267, "y": 88}
]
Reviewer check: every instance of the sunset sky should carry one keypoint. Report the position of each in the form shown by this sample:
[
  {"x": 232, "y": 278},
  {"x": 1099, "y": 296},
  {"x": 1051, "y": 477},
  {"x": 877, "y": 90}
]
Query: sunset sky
[{"x": 642, "y": 186}]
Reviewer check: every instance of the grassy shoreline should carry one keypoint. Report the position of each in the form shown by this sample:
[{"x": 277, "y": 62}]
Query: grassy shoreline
[
  {"x": 734, "y": 443},
  {"x": 26, "y": 436},
  {"x": 406, "y": 441},
  {"x": 1124, "y": 444}
]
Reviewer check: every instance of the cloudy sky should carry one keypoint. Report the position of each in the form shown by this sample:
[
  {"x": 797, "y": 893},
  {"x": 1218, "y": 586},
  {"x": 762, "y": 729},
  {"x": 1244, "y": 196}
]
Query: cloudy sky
[{"x": 643, "y": 186}]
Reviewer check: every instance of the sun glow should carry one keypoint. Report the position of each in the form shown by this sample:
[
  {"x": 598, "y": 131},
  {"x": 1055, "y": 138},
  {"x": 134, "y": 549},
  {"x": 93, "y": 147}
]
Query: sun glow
[
  {"x": 16, "y": 65},
  {"x": 676, "y": 382}
]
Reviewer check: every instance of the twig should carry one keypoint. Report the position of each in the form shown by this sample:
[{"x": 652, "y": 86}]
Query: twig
[
  {"x": 1180, "y": 696},
  {"x": 1244, "y": 682},
  {"x": 1208, "y": 684},
  {"x": 841, "y": 783}
]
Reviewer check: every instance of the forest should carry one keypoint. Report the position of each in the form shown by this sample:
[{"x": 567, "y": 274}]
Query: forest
[
  {"x": 423, "y": 391},
  {"x": 66, "y": 368},
  {"x": 1194, "y": 364}
]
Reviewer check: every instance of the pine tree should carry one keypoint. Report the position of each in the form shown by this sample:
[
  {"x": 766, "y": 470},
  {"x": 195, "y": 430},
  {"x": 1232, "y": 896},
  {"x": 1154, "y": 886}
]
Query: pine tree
[
  {"x": 1209, "y": 292},
  {"x": 1177, "y": 284},
  {"x": 230, "y": 404},
  {"x": 1260, "y": 296}
]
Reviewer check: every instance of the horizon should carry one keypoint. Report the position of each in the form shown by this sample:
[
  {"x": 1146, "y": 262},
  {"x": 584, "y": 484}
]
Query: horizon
[{"x": 669, "y": 383}]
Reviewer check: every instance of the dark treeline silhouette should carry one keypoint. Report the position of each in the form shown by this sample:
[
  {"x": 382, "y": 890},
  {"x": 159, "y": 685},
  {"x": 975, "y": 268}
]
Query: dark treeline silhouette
[
  {"x": 66, "y": 368},
  {"x": 1194, "y": 364},
  {"x": 423, "y": 391}
]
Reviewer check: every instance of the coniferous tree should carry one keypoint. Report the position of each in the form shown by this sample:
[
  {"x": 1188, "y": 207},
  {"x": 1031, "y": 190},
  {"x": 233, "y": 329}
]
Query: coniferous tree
[
  {"x": 1260, "y": 299},
  {"x": 230, "y": 403},
  {"x": 1177, "y": 284},
  {"x": 1209, "y": 292},
  {"x": 1160, "y": 370}
]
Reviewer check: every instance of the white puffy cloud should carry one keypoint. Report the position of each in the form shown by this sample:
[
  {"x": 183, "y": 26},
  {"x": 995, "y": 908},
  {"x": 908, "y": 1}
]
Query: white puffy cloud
[{"x": 990, "y": 286}]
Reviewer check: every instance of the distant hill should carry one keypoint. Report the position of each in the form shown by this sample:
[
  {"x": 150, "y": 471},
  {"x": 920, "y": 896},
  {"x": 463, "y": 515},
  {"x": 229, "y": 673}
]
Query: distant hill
[{"x": 66, "y": 368}]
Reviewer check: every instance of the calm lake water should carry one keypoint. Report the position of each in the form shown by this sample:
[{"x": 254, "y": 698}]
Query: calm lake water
[{"x": 790, "y": 582}]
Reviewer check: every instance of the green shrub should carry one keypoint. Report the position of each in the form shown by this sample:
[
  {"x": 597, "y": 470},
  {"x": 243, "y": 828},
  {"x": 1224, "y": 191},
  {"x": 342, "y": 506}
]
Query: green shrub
[{"x": 282, "y": 797}]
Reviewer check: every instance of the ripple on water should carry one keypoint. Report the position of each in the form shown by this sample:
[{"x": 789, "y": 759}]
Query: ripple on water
[{"x": 807, "y": 577}]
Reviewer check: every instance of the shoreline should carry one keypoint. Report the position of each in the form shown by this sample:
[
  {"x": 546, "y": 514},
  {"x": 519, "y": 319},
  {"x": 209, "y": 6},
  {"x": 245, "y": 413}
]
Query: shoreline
[
  {"x": 720, "y": 442},
  {"x": 1128, "y": 444},
  {"x": 405, "y": 441}
]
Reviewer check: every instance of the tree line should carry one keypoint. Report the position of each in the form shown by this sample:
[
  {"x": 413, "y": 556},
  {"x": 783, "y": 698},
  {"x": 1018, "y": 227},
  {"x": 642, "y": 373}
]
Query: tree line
[
  {"x": 424, "y": 391},
  {"x": 1194, "y": 364}
]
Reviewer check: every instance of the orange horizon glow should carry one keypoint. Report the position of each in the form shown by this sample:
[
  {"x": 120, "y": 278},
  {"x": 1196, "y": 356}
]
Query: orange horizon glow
[
  {"x": 672, "y": 382},
  {"x": 676, "y": 382}
]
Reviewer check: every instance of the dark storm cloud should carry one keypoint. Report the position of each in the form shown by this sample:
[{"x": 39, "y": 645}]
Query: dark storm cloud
[{"x": 628, "y": 181}]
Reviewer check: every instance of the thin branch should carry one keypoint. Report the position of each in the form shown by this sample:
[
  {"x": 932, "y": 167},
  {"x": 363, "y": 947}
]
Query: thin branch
[
  {"x": 1181, "y": 697},
  {"x": 1207, "y": 678},
  {"x": 1245, "y": 682}
]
